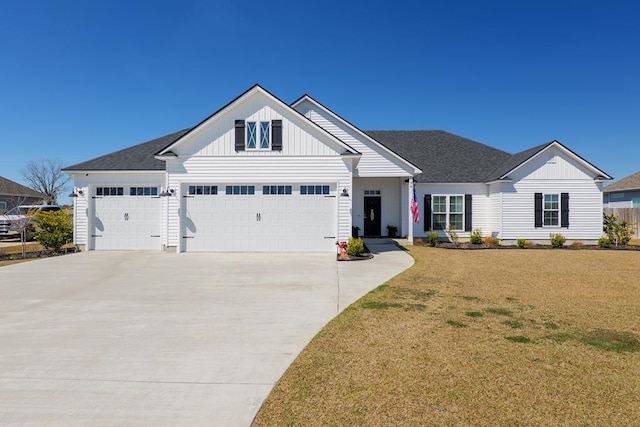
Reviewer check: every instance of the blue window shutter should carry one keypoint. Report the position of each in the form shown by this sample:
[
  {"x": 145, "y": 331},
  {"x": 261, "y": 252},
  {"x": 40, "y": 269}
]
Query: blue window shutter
[
  {"x": 427, "y": 212},
  {"x": 276, "y": 135},
  {"x": 239, "y": 145},
  {"x": 538, "y": 210},
  {"x": 564, "y": 210},
  {"x": 467, "y": 212}
]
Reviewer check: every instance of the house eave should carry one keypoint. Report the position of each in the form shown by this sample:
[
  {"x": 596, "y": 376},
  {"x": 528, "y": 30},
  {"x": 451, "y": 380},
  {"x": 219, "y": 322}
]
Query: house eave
[
  {"x": 169, "y": 155},
  {"x": 113, "y": 171}
]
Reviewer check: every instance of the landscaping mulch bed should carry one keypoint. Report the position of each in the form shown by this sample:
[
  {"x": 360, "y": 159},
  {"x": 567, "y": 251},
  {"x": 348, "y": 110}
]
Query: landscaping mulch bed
[
  {"x": 470, "y": 246},
  {"x": 14, "y": 253}
]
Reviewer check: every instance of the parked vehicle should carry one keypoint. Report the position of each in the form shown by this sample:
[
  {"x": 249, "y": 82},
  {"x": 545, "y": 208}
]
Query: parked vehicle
[{"x": 18, "y": 218}]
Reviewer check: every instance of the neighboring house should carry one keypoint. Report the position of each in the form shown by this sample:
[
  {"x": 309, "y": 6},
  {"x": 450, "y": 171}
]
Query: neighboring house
[
  {"x": 13, "y": 194},
  {"x": 623, "y": 199},
  {"x": 262, "y": 175},
  {"x": 624, "y": 193}
]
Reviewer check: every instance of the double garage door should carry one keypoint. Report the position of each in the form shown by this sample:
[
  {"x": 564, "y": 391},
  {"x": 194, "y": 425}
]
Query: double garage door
[
  {"x": 126, "y": 218},
  {"x": 260, "y": 218}
]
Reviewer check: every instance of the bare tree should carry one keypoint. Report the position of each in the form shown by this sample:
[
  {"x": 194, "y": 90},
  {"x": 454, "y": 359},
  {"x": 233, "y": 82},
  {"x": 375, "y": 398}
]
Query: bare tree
[{"x": 46, "y": 177}]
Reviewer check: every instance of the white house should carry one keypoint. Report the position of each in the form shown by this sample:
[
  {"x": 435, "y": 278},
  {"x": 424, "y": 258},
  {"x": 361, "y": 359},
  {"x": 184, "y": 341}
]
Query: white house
[{"x": 262, "y": 175}]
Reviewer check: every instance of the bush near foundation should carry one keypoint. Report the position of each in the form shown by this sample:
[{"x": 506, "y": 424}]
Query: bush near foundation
[{"x": 54, "y": 229}]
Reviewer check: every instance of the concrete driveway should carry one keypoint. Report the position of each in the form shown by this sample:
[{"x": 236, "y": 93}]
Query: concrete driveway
[{"x": 141, "y": 338}]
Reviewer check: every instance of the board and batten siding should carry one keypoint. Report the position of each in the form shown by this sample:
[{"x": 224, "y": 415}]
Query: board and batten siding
[
  {"x": 391, "y": 190},
  {"x": 375, "y": 161},
  {"x": 552, "y": 172},
  {"x": 83, "y": 210},
  {"x": 258, "y": 170},
  {"x": 216, "y": 137}
]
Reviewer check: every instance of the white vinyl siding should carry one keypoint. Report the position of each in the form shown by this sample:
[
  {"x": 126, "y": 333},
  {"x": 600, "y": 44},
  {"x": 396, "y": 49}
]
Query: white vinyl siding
[
  {"x": 375, "y": 161},
  {"x": 585, "y": 210},
  {"x": 566, "y": 175}
]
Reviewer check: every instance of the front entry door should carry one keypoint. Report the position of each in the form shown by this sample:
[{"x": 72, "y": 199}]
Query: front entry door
[{"x": 372, "y": 216}]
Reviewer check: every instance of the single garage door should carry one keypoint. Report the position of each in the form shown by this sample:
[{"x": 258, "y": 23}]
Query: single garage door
[
  {"x": 126, "y": 218},
  {"x": 259, "y": 218}
]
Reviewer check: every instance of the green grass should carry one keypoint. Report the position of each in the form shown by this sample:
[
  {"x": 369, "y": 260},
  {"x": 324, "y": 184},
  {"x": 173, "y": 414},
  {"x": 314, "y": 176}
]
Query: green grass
[
  {"x": 519, "y": 338},
  {"x": 611, "y": 340},
  {"x": 456, "y": 324},
  {"x": 499, "y": 311},
  {"x": 514, "y": 324},
  {"x": 474, "y": 313},
  {"x": 379, "y": 305}
]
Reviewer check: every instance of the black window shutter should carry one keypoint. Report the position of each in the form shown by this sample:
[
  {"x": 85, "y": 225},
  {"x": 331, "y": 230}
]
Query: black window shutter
[
  {"x": 239, "y": 135},
  {"x": 467, "y": 212},
  {"x": 427, "y": 212},
  {"x": 564, "y": 210},
  {"x": 276, "y": 135},
  {"x": 538, "y": 210}
]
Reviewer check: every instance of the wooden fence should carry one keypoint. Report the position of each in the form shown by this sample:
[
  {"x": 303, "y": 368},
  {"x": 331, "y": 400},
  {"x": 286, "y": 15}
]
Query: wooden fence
[{"x": 631, "y": 215}]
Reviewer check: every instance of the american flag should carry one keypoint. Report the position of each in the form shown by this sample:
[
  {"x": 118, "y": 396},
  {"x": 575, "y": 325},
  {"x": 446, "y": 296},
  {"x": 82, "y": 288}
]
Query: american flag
[{"x": 414, "y": 207}]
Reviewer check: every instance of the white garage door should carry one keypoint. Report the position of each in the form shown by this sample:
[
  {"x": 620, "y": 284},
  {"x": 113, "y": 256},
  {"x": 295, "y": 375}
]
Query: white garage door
[
  {"x": 259, "y": 218},
  {"x": 126, "y": 218}
]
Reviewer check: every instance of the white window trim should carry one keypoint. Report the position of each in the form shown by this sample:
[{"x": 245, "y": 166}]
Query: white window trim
[
  {"x": 559, "y": 218},
  {"x": 258, "y": 131},
  {"x": 448, "y": 211}
]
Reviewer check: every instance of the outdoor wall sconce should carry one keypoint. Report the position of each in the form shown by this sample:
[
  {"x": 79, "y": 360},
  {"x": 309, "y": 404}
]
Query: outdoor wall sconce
[
  {"x": 167, "y": 192},
  {"x": 76, "y": 192},
  {"x": 345, "y": 193}
]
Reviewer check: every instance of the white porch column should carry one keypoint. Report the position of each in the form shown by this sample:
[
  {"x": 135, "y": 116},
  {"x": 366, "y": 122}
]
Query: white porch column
[{"x": 409, "y": 214}]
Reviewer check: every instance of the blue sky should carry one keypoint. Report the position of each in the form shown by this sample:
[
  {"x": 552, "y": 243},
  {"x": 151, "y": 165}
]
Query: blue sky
[{"x": 79, "y": 79}]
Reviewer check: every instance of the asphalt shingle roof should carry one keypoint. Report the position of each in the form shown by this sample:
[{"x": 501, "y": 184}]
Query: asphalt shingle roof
[
  {"x": 12, "y": 188},
  {"x": 631, "y": 182},
  {"x": 514, "y": 161},
  {"x": 138, "y": 157},
  {"x": 443, "y": 156}
]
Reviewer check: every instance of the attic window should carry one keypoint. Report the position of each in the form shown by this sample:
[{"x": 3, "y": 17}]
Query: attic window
[{"x": 258, "y": 136}]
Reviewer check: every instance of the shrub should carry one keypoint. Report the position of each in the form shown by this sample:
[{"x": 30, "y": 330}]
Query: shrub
[
  {"x": 490, "y": 240},
  {"x": 434, "y": 238},
  {"x": 557, "y": 240},
  {"x": 392, "y": 230},
  {"x": 54, "y": 229},
  {"x": 355, "y": 247},
  {"x": 523, "y": 244},
  {"x": 476, "y": 236},
  {"x": 577, "y": 244},
  {"x": 604, "y": 242},
  {"x": 453, "y": 236},
  {"x": 618, "y": 232}
]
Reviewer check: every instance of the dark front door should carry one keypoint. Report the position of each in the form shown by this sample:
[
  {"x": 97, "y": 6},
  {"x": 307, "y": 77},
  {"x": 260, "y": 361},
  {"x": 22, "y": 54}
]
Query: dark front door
[{"x": 372, "y": 216}]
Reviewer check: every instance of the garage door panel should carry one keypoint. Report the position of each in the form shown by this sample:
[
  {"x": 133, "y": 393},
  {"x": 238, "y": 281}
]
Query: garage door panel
[
  {"x": 127, "y": 223},
  {"x": 260, "y": 222}
]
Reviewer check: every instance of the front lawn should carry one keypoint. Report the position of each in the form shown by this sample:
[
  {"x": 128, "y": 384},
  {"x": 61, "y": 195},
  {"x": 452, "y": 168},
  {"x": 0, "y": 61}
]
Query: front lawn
[{"x": 491, "y": 337}]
